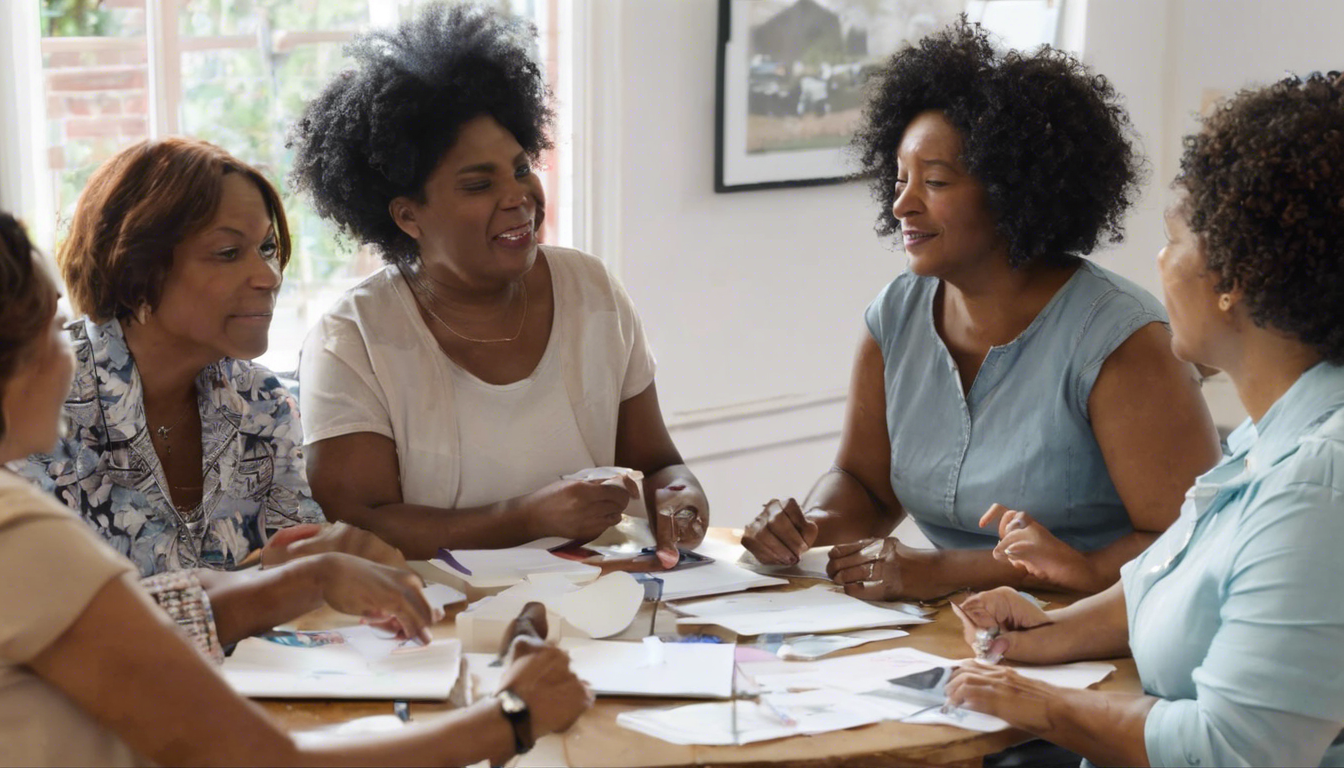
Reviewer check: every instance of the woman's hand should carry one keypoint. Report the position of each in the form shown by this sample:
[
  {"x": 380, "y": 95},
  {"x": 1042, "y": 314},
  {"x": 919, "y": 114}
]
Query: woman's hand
[
  {"x": 780, "y": 534},
  {"x": 311, "y": 538},
  {"x": 579, "y": 509},
  {"x": 681, "y": 518},
  {"x": 1004, "y": 610},
  {"x": 1001, "y": 692},
  {"x": 1026, "y": 545},
  {"x": 540, "y": 675},
  {"x": 886, "y": 569},
  {"x": 384, "y": 596}
]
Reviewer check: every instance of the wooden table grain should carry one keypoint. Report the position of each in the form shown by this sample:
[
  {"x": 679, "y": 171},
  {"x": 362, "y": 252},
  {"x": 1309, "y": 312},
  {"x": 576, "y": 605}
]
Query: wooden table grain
[{"x": 598, "y": 742}]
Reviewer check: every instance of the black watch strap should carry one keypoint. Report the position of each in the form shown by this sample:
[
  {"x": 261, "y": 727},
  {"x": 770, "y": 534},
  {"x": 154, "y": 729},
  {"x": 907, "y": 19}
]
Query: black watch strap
[{"x": 515, "y": 709}]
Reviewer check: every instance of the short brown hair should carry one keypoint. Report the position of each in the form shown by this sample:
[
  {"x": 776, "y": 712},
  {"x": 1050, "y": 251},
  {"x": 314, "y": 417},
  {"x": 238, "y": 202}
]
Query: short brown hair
[
  {"x": 27, "y": 299},
  {"x": 135, "y": 209}
]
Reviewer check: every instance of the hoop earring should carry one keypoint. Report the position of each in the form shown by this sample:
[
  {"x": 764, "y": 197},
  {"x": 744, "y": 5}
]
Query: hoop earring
[{"x": 142, "y": 313}]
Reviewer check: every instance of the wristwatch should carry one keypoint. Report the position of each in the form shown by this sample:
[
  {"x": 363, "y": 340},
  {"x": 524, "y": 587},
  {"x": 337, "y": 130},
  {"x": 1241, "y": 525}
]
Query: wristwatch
[{"x": 515, "y": 709}]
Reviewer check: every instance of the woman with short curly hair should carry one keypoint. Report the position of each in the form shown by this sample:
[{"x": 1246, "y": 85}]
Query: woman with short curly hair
[
  {"x": 1003, "y": 378},
  {"x": 1233, "y": 616},
  {"x": 445, "y": 397}
]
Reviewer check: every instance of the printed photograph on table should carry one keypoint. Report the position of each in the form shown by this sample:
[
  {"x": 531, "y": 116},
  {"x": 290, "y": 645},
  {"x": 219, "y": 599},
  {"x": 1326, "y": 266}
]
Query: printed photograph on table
[{"x": 791, "y": 76}]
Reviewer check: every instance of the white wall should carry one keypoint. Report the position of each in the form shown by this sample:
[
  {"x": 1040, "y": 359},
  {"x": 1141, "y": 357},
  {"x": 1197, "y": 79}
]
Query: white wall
[{"x": 748, "y": 298}]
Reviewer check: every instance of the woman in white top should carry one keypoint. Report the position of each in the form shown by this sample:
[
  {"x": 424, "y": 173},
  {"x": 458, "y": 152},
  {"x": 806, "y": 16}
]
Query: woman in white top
[
  {"x": 446, "y": 396},
  {"x": 92, "y": 671}
]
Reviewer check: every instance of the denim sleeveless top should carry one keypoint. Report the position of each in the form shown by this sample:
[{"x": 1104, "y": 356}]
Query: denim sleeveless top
[{"x": 1021, "y": 435}]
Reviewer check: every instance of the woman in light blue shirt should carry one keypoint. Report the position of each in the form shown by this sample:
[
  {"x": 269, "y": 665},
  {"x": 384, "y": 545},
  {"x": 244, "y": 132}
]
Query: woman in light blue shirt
[
  {"x": 1003, "y": 378},
  {"x": 1233, "y": 616}
]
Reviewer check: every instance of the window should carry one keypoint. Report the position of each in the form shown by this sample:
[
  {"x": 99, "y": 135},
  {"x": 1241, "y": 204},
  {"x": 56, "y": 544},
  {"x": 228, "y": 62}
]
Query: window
[{"x": 238, "y": 73}]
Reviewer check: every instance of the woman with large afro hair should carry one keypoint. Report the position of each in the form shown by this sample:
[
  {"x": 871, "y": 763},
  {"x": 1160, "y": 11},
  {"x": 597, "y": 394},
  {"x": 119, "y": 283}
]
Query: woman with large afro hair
[
  {"x": 462, "y": 396},
  {"x": 1003, "y": 379}
]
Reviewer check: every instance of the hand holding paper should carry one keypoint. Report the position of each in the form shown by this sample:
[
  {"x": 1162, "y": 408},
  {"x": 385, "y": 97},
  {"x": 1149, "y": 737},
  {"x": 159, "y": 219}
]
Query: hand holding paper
[
  {"x": 1005, "y": 612},
  {"x": 580, "y": 509},
  {"x": 681, "y": 517},
  {"x": 384, "y": 596},
  {"x": 780, "y": 534}
]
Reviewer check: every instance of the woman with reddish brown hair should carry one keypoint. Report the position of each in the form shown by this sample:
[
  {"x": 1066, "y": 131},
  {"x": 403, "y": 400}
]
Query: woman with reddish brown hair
[
  {"x": 182, "y": 452},
  {"x": 93, "y": 673}
]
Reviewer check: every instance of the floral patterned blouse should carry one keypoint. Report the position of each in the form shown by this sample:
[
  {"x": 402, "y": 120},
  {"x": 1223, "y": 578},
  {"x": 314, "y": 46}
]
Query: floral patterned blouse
[{"x": 105, "y": 467}]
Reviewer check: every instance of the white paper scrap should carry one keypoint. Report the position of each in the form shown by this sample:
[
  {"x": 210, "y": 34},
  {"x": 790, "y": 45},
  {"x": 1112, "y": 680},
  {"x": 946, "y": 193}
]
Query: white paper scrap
[
  {"x": 811, "y": 565},
  {"x": 818, "y": 609},
  {"x": 618, "y": 668},
  {"x": 605, "y": 607}
]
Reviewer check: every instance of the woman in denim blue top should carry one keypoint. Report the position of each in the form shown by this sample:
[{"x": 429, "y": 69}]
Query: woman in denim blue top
[
  {"x": 1233, "y": 616},
  {"x": 1003, "y": 378}
]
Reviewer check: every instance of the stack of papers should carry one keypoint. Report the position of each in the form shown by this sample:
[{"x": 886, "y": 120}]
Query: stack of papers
[
  {"x": 330, "y": 665},
  {"x": 818, "y": 609}
]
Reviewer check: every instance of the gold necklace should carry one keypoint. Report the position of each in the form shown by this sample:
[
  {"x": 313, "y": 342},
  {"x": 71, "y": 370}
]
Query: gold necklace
[
  {"x": 163, "y": 431},
  {"x": 521, "y": 324}
]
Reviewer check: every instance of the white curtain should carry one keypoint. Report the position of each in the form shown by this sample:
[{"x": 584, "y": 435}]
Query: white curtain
[{"x": 25, "y": 181}]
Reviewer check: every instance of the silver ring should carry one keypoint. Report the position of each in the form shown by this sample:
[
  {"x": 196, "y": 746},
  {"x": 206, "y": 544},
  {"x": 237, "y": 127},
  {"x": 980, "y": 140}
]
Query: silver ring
[{"x": 872, "y": 570}]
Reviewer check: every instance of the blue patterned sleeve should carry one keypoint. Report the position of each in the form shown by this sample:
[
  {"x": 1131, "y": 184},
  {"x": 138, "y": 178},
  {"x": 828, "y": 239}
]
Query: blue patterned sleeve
[{"x": 290, "y": 501}]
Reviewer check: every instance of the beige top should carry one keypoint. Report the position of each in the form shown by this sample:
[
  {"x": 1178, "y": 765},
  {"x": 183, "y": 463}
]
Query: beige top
[
  {"x": 51, "y": 567},
  {"x": 371, "y": 365}
]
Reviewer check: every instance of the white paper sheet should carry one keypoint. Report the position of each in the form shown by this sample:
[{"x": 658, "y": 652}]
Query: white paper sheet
[
  {"x": 811, "y": 647},
  {"x": 440, "y": 595},
  {"x": 494, "y": 568},
  {"x": 818, "y": 609},
  {"x": 687, "y": 670},
  {"x": 262, "y": 668},
  {"x": 812, "y": 712},
  {"x": 812, "y": 565},
  {"x": 714, "y": 578}
]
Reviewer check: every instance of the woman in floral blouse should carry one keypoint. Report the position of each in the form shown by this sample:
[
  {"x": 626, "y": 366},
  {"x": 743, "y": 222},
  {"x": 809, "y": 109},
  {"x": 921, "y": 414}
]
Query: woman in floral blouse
[{"x": 180, "y": 451}]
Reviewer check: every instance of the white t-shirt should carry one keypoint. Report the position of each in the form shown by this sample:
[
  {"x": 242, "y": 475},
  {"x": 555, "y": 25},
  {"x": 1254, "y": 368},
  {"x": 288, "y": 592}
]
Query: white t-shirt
[
  {"x": 372, "y": 365},
  {"x": 51, "y": 566},
  {"x": 516, "y": 437}
]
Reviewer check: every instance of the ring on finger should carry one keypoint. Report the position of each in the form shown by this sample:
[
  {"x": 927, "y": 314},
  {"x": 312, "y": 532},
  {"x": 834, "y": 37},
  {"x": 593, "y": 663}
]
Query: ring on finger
[{"x": 872, "y": 570}]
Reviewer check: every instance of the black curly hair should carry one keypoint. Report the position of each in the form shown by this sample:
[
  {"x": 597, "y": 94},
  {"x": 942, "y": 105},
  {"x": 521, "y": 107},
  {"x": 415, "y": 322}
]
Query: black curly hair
[
  {"x": 1047, "y": 138},
  {"x": 1264, "y": 183},
  {"x": 378, "y": 131},
  {"x": 28, "y": 297}
]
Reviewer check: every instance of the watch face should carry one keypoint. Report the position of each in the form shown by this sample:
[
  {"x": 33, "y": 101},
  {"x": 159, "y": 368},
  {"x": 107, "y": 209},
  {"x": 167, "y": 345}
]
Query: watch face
[{"x": 511, "y": 702}]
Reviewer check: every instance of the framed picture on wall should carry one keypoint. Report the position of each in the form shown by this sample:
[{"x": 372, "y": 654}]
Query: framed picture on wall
[{"x": 791, "y": 76}]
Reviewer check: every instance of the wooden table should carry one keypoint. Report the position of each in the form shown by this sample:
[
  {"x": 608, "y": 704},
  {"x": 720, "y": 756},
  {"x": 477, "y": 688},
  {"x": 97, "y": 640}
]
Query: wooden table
[{"x": 596, "y": 740}]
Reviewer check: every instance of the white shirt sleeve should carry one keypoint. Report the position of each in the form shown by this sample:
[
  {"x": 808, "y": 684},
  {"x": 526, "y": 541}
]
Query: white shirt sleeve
[
  {"x": 640, "y": 368},
  {"x": 338, "y": 391}
]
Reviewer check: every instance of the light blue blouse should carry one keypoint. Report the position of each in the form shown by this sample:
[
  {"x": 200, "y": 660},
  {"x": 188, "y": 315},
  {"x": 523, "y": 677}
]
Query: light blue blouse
[
  {"x": 1236, "y": 619},
  {"x": 1021, "y": 436}
]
